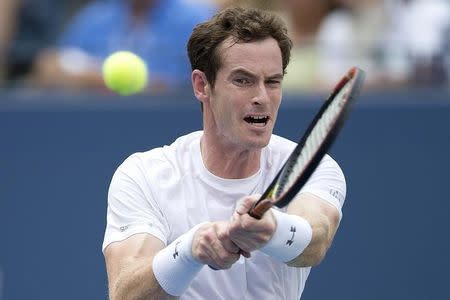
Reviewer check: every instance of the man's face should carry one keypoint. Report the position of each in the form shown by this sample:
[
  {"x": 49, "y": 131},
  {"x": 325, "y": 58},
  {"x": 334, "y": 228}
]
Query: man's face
[{"x": 247, "y": 93}]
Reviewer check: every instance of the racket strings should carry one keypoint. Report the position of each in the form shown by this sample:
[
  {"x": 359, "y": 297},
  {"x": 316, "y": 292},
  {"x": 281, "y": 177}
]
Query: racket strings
[{"x": 314, "y": 140}]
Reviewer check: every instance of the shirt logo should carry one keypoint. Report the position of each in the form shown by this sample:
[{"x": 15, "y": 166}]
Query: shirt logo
[{"x": 336, "y": 194}]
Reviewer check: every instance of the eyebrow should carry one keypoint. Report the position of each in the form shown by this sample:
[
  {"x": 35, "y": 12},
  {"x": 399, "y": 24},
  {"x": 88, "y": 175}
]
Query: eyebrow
[{"x": 241, "y": 71}]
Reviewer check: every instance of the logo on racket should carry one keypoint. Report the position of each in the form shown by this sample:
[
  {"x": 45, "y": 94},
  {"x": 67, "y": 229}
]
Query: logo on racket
[{"x": 291, "y": 240}]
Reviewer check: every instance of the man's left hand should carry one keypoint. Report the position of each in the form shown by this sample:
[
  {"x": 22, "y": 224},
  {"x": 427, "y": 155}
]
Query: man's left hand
[{"x": 247, "y": 232}]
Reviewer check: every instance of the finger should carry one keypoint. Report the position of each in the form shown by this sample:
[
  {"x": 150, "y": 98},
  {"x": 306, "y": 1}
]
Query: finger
[
  {"x": 222, "y": 259},
  {"x": 230, "y": 246},
  {"x": 221, "y": 251},
  {"x": 207, "y": 247},
  {"x": 224, "y": 236},
  {"x": 245, "y": 253},
  {"x": 246, "y": 203},
  {"x": 225, "y": 252}
]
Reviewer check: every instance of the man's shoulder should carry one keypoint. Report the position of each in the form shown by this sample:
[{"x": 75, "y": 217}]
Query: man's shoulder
[{"x": 168, "y": 155}]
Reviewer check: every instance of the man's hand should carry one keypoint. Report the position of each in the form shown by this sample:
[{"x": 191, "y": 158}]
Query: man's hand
[
  {"x": 212, "y": 246},
  {"x": 249, "y": 233}
]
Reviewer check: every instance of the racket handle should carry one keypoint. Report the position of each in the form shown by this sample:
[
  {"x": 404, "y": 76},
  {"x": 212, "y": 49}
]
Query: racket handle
[{"x": 259, "y": 208}]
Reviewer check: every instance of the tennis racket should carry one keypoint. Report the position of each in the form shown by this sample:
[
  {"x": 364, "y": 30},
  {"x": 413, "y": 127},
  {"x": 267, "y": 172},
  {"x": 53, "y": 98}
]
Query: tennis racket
[{"x": 311, "y": 148}]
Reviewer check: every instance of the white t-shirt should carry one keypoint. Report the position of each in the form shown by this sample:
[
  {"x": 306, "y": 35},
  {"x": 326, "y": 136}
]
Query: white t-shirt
[{"x": 166, "y": 191}]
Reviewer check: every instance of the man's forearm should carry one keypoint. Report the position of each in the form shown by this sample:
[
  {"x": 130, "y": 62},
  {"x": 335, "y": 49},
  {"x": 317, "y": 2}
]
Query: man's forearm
[
  {"x": 137, "y": 281},
  {"x": 324, "y": 220},
  {"x": 317, "y": 248}
]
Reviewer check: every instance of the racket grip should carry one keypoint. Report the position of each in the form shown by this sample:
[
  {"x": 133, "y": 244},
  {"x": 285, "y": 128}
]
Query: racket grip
[{"x": 259, "y": 208}]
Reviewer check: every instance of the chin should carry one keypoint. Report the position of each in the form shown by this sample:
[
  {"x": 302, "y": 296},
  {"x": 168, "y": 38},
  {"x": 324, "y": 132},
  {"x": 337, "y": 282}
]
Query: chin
[{"x": 259, "y": 142}]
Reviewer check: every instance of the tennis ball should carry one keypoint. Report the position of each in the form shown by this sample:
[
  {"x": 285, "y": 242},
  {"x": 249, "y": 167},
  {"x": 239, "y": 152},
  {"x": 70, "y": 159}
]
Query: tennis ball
[{"x": 125, "y": 73}]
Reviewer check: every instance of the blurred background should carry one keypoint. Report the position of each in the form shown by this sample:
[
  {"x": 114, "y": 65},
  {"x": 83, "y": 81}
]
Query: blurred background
[
  {"x": 49, "y": 44},
  {"x": 62, "y": 133}
]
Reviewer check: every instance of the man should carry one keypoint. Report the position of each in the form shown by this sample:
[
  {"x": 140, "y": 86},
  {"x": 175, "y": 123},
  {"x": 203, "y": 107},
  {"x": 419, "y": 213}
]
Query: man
[{"x": 175, "y": 226}]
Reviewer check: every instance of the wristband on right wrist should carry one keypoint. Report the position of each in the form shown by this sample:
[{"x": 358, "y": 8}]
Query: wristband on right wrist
[
  {"x": 291, "y": 237},
  {"x": 174, "y": 267}
]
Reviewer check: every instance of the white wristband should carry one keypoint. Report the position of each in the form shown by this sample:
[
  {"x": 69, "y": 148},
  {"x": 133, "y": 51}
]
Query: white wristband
[
  {"x": 174, "y": 267},
  {"x": 292, "y": 235}
]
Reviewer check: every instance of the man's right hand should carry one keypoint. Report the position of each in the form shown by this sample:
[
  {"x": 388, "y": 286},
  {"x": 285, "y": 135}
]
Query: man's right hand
[{"x": 212, "y": 246}]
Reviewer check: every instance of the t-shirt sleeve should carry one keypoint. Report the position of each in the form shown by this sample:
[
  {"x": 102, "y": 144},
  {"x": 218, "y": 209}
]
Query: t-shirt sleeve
[
  {"x": 328, "y": 183},
  {"x": 132, "y": 208}
]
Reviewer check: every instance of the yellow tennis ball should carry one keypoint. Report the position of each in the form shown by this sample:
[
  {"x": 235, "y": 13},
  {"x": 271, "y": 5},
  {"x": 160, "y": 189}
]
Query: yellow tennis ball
[{"x": 125, "y": 73}]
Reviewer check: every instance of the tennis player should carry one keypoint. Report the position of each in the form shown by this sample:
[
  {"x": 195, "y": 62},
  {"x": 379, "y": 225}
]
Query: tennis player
[{"x": 177, "y": 222}]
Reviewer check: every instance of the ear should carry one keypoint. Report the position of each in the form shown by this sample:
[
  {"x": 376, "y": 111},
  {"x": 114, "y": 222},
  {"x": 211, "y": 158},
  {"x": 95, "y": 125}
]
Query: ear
[{"x": 200, "y": 85}]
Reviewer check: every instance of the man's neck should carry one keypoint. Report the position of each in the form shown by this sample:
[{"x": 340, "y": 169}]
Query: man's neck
[{"x": 229, "y": 161}]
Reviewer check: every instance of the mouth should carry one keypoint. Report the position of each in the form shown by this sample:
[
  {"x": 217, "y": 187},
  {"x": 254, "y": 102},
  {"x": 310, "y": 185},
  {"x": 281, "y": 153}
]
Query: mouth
[{"x": 257, "y": 120}]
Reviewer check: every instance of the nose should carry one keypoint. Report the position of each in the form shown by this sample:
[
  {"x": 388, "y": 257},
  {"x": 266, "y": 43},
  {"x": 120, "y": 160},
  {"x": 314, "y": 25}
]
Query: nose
[{"x": 261, "y": 94}]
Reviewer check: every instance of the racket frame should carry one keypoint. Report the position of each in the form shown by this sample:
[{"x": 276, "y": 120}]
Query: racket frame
[{"x": 271, "y": 196}]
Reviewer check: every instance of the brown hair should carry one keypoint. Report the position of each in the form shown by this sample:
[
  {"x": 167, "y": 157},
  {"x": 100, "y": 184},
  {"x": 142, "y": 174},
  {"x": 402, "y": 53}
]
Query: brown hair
[{"x": 242, "y": 25}]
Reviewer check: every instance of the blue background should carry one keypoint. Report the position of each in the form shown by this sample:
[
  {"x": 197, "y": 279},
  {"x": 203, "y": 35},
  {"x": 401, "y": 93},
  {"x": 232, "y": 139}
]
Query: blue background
[{"x": 58, "y": 153}]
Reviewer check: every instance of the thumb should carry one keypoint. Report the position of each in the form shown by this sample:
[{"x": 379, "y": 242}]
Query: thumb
[{"x": 246, "y": 203}]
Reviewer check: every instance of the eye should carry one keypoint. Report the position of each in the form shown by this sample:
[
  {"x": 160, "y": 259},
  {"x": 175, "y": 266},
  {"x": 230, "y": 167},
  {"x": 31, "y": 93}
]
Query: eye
[
  {"x": 274, "y": 82},
  {"x": 242, "y": 81}
]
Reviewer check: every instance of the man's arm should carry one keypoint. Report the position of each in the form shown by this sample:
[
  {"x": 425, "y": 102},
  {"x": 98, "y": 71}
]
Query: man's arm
[
  {"x": 129, "y": 267},
  {"x": 300, "y": 236},
  {"x": 324, "y": 221},
  {"x": 129, "y": 263}
]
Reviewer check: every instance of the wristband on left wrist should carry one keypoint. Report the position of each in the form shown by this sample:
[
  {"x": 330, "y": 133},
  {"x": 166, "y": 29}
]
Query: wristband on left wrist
[{"x": 291, "y": 237}]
